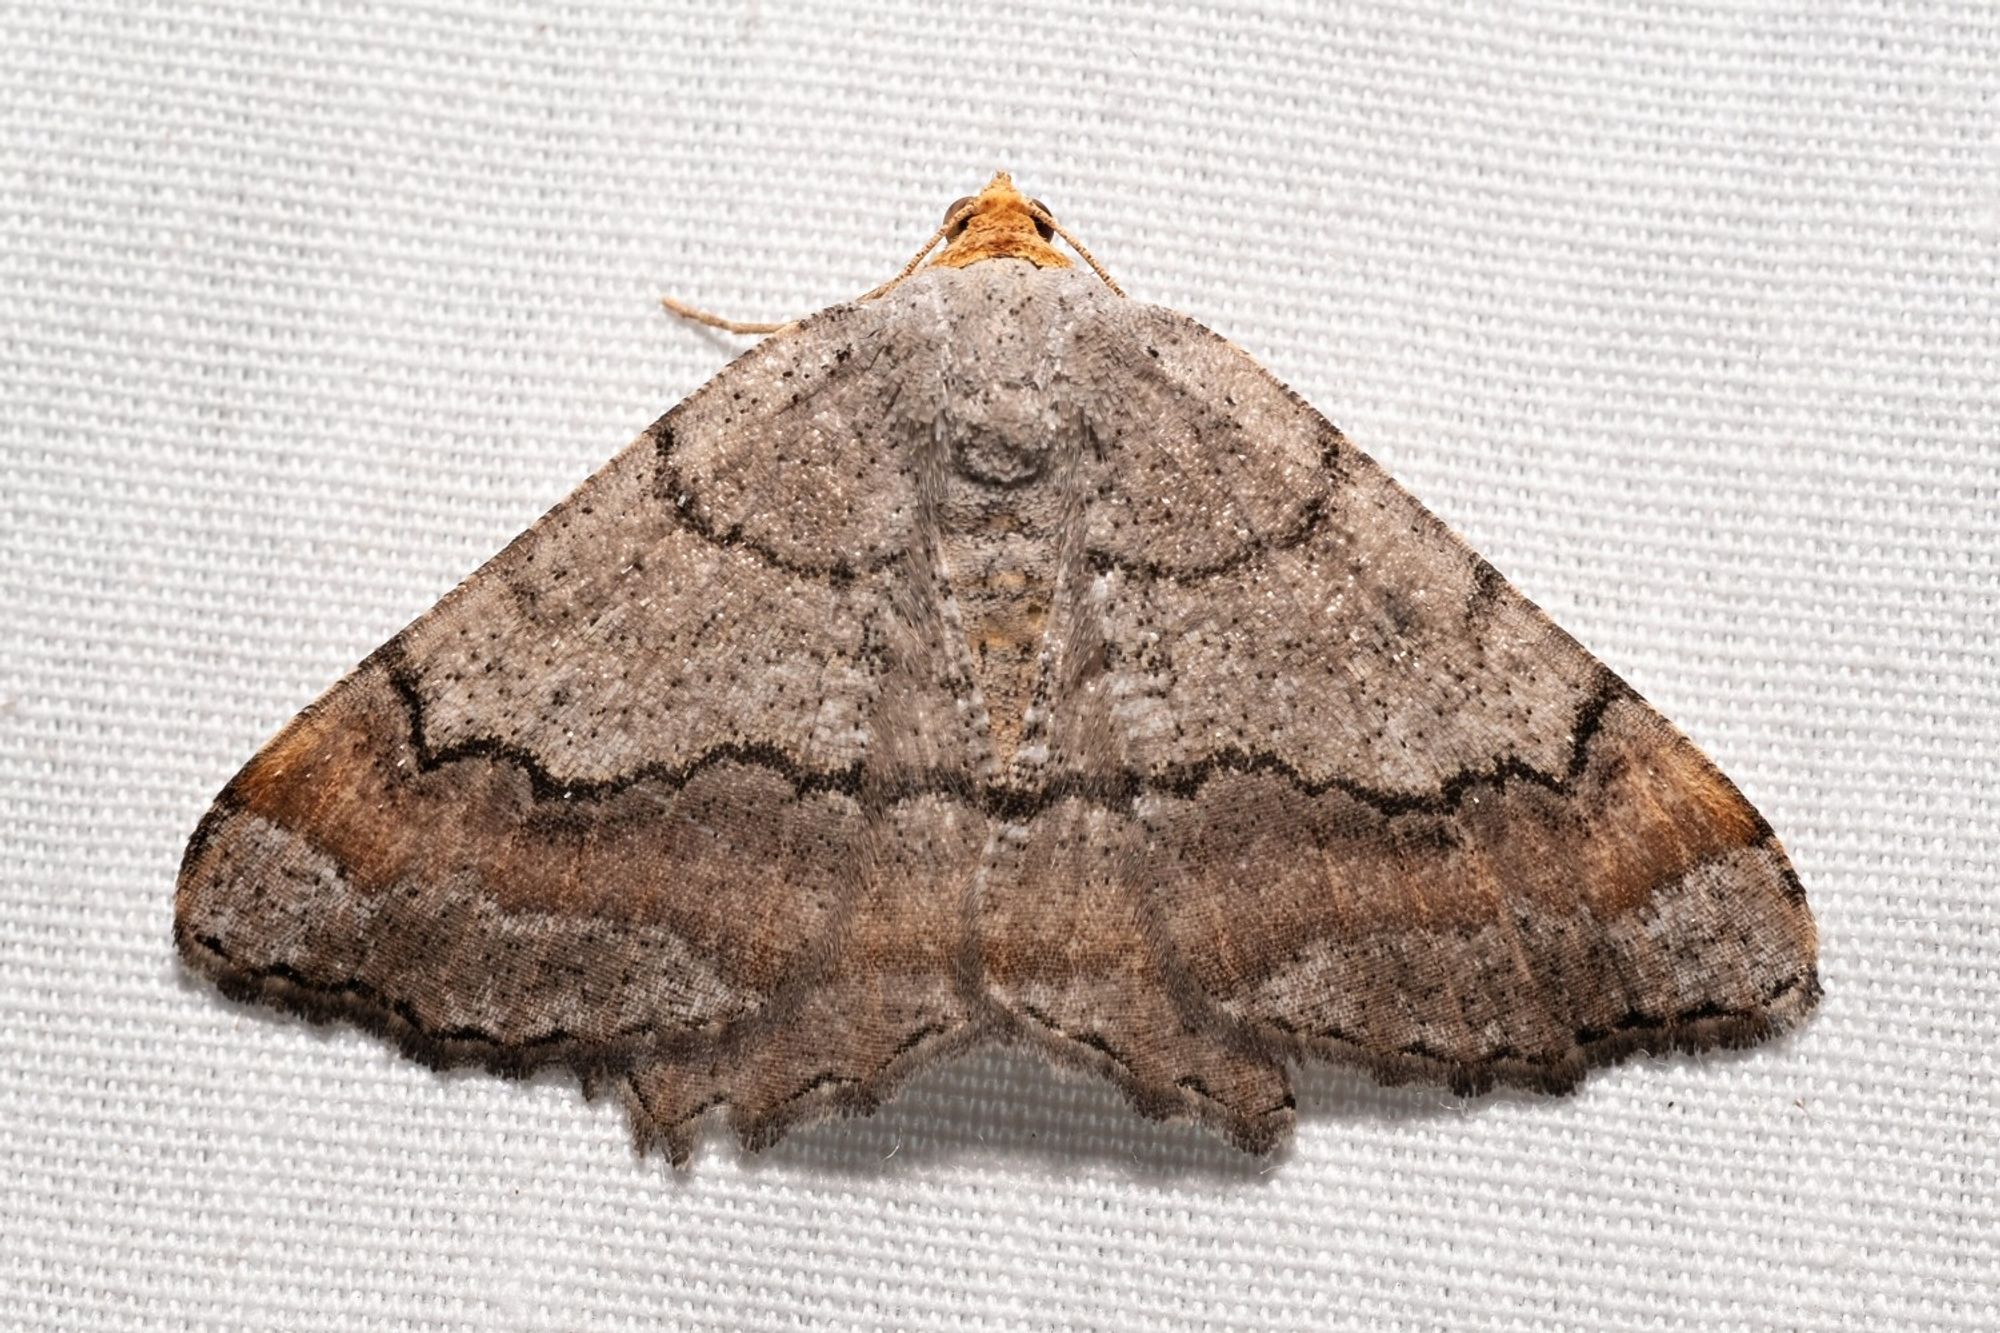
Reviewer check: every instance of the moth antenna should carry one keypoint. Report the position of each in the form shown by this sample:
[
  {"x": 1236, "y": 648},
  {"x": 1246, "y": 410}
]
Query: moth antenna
[
  {"x": 715, "y": 321},
  {"x": 688, "y": 312},
  {"x": 956, "y": 215},
  {"x": 1042, "y": 216}
]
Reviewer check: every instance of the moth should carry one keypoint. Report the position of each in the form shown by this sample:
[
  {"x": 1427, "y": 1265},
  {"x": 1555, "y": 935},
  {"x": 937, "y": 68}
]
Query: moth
[{"x": 994, "y": 658}]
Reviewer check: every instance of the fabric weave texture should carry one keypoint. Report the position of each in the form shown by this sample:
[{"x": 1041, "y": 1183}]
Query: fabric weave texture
[{"x": 1686, "y": 316}]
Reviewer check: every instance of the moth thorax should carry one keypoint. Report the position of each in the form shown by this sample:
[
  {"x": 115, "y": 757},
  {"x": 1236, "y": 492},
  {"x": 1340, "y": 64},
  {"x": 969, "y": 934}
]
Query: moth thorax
[{"x": 1003, "y": 439}]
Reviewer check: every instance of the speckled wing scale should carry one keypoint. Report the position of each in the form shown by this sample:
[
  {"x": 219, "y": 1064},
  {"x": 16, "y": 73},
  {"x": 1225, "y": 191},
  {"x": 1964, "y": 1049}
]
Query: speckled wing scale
[{"x": 998, "y": 659}]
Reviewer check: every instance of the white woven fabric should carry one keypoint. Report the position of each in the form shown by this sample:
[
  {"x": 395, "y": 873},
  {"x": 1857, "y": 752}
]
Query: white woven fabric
[{"x": 1685, "y": 315}]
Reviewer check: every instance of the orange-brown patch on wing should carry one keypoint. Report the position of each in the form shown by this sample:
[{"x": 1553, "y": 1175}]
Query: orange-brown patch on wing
[
  {"x": 1656, "y": 808},
  {"x": 1260, "y": 867},
  {"x": 322, "y": 777},
  {"x": 682, "y": 854}
]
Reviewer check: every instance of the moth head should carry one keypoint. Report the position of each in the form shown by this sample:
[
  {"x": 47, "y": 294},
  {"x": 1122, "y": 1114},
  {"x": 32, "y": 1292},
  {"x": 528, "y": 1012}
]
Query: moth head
[
  {"x": 960, "y": 212},
  {"x": 999, "y": 223}
]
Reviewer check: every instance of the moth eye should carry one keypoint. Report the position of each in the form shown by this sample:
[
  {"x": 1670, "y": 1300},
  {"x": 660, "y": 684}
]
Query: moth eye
[
  {"x": 952, "y": 229},
  {"x": 1048, "y": 232}
]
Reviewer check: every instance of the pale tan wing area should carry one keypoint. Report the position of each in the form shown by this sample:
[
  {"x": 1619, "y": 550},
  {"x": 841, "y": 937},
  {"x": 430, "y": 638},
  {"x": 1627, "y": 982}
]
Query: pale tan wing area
[
  {"x": 1371, "y": 804},
  {"x": 637, "y": 796}
]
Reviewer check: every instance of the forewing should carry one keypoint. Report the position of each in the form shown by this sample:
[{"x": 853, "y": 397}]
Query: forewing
[
  {"x": 1393, "y": 814},
  {"x": 615, "y": 800}
]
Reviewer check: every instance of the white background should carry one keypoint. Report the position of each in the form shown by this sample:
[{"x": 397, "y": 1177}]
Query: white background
[{"x": 1684, "y": 314}]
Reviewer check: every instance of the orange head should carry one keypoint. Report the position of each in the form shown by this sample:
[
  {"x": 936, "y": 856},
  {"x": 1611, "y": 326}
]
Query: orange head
[{"x": 998, "y": 223}]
